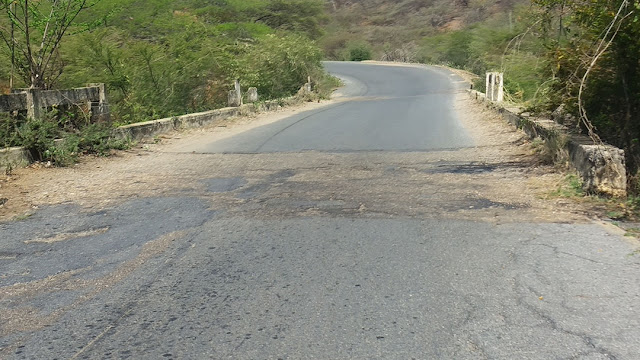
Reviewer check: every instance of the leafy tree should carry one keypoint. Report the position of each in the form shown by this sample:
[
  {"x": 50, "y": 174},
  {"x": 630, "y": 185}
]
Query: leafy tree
[{"x": 594, "y": 49}]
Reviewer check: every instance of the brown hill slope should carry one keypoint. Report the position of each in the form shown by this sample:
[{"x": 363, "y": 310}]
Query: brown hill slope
[{"x": 388, "y": 25}]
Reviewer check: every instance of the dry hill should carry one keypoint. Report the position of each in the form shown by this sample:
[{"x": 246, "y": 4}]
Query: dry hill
[{"x": 389, "y": 25}]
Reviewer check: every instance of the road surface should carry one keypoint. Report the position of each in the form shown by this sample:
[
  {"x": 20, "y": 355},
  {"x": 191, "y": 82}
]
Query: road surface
[
  {"x": 386, "y": 113},
  {"x": 393, "y": 223}
]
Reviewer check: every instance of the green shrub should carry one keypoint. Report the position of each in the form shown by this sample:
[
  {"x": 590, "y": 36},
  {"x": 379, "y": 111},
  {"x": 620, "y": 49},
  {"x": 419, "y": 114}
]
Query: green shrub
[
  {"x": 171, "y": 58},
  {"x": 9, "y": 135},
  {"x": 359, "y": 52},
  {"x": 58, "y": 137},
  {"x": 279, "y": 65},
  {"x": 38, "y": 137},
  {"x": 326, "y": 84}
]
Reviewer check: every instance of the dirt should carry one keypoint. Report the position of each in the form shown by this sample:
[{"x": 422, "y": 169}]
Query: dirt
[
  {"x": 99, "y": 181},
  {"x": 498, "y": 180}
]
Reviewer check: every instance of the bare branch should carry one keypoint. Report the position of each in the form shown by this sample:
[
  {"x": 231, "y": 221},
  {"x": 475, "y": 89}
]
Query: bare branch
[{"x": 601, "y": 49}]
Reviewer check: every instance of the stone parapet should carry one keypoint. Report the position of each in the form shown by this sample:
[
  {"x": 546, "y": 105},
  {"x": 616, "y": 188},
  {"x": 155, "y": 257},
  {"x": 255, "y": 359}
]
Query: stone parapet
[{"x": 601, "y": 166}]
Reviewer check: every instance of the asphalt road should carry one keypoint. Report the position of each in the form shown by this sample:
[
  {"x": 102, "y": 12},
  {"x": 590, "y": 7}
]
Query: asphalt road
[
  {"x": 385, "y": 112},
  {"x": 366, "y": 229}
]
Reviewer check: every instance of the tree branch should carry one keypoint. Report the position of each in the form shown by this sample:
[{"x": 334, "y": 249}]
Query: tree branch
[{"x": 601, "y": 49}]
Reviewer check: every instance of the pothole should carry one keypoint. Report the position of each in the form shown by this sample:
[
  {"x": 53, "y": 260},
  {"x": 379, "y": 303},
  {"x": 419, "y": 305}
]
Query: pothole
[
  {"x": 482, "y": 203},
  {"x": 470, "y": 168}
]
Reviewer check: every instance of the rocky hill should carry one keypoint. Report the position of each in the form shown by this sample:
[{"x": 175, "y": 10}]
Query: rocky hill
[{"x": 392, "y": 24}]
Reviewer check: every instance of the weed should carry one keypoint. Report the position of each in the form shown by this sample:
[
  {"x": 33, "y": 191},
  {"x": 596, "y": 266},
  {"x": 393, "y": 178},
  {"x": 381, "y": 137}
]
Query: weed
[
  {"x": 59, "y": 137},
  {"x": 96, "y": 139},
  {"x": 632, "y": 232},
  {"x": 326, "y": 85},
  {"x": 38, "y": 137},
  {"x": 23, "y": 217},
  {"x": 570, "y": 187},
  {"x": 616, "y": 214},
  {"x": 9, "y": 130},
  {"x": 552, "y": 150}
]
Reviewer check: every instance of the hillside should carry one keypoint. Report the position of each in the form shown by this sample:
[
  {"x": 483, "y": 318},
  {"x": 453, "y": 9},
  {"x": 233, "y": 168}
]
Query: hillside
[{"x": 388, "y": 25}]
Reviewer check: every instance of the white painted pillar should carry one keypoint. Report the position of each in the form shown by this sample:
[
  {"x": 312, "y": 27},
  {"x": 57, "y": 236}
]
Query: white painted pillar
[{"x": 495, "y": 86}]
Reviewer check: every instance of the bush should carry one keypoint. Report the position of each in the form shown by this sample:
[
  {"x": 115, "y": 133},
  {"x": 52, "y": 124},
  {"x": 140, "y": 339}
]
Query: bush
[
  {"x": 174, "y": 58},
  {"x": 97, "y": 139},
  {"x": 359, "y": 52},
  {"x": 326, "y": 84},
  {"x": 279, "y": 65},
  {"x": 38, "y": 137},
  {"x": 9, "y": 135},
  {"x": 58, "y": 137}
]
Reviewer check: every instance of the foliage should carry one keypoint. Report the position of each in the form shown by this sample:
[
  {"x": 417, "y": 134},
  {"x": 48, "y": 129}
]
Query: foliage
[
  {"x": 158, "y": 58},
  {"x": 571, "y": 186},
  {"x": 162, "y": 58},
  {"x": 326, "y": 84},
  {"x": 33, "y": 31},
  {"x": 593, "y": 51},
  {"x": 279, "y": 65},
  {"x": 495, "y": 45},
  {"x": 300, "y": 16},
  {"x": 9, "y": 131},
  {"x": 59, "y": 137},
  {"x": 359, "y": 51},
  {"x": 38, "y": 136}
]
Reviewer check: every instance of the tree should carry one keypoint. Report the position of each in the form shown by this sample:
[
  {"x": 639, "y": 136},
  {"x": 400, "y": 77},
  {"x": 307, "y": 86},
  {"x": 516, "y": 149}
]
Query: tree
[
  {"x": 594, "y": 57},
  {"x": 33, "y": 30}
]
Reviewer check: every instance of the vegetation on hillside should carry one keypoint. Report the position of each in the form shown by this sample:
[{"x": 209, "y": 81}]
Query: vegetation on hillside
[{"x": 159, "y": 57}]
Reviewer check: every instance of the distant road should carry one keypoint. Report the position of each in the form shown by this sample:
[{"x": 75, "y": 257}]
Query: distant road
[{"x": 383, "y": 108}]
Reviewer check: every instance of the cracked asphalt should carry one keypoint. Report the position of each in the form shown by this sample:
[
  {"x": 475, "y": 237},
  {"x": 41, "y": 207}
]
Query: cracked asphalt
[{"x": 400, "y": 221}]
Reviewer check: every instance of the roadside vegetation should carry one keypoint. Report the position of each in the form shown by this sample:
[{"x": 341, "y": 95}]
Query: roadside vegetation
[
  {"x": 575, "y": 58},
  {"x": 158, "y": 58}
]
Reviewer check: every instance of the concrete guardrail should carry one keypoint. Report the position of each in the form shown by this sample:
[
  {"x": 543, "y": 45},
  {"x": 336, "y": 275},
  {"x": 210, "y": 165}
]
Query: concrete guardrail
[{"x": 601, "y": 166}]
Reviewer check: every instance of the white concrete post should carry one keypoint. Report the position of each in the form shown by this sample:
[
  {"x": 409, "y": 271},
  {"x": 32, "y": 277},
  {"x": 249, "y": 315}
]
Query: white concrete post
[
  {"x": 495, "y": 86},
  {"x": 500, "y": 87},
  {"x": 488, "y": 89}
]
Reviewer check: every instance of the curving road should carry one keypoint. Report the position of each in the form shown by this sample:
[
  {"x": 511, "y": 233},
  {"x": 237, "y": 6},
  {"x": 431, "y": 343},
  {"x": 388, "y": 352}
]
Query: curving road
[
  {"x": 377, "y": 227},
  {"x": 383, "y": 109}
]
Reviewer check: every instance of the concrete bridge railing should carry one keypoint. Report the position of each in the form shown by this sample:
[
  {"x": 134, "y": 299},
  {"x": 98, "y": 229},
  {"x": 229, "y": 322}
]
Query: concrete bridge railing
[
  {"x": 601, "y": 166},
  {"x": 35, "y": 102}
]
